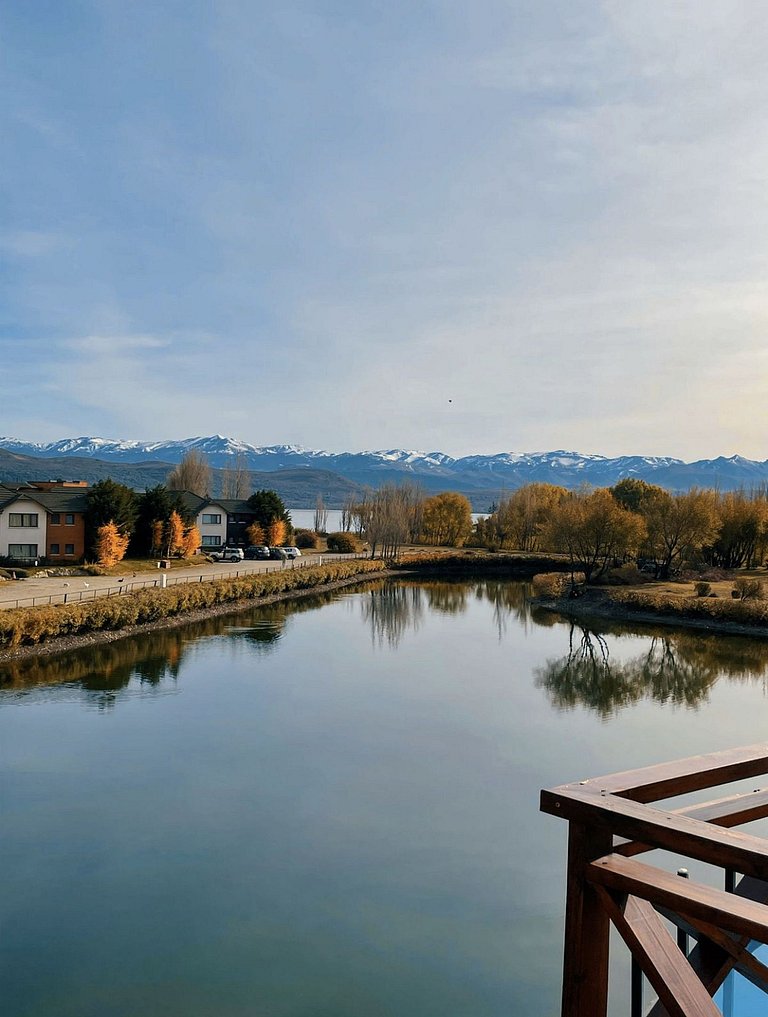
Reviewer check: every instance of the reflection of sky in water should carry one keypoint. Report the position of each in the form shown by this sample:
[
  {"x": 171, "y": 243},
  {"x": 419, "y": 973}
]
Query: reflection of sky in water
[{"x": 345, "y": 825}]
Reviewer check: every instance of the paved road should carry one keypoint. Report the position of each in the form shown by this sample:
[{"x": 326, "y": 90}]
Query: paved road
[{"x": 71, "y": 589}]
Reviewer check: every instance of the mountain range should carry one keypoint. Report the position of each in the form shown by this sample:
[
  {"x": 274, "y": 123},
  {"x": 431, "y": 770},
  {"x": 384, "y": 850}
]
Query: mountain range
[{"x": 300, "y": 474}]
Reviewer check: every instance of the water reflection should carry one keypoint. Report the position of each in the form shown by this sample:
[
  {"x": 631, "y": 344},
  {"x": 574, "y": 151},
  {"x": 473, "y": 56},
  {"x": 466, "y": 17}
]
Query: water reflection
[
  {"x": 678, "y": 668},
  {"x": 393, "y": 609}
]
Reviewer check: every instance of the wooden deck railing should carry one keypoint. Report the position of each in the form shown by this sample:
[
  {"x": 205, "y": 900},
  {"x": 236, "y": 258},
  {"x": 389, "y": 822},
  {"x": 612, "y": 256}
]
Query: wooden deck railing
[{"x": 611, "y": 821}]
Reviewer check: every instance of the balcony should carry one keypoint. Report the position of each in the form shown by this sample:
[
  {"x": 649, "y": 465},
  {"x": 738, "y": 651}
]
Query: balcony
[{"x": 700, "y": 948}]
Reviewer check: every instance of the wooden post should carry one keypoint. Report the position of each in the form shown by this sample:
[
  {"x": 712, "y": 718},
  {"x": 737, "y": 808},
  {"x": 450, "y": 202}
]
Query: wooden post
[{"x": 587, "y": 927}]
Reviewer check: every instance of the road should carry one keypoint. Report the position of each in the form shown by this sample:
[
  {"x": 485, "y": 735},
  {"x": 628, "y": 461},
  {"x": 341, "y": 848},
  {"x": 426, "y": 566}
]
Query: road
[{"x": 71, "y": 589}]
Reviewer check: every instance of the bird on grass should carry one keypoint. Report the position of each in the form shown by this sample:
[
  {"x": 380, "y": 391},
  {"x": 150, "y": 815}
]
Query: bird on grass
[{"x": 86, "y": 585}]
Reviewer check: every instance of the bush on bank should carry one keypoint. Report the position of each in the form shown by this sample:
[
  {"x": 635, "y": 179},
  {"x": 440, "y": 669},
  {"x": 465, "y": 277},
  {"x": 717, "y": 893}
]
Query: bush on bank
[
  {"x": 744, "y": 612},
  {"x": 28, "y": 626}
]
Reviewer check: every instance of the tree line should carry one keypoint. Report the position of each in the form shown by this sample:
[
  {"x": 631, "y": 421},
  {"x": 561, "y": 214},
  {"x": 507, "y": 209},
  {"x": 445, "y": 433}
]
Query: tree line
[{"x": 633, "y": 520}]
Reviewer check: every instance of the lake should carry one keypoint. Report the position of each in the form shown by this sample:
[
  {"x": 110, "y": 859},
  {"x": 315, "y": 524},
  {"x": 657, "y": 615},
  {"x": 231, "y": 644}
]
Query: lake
[{"x": 328, "y": 808}]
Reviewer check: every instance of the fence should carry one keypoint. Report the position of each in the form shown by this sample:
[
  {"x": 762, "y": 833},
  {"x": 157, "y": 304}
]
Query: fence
[
  {"x": 72, "y": 595},
  {"x": 607, "y": 886}
]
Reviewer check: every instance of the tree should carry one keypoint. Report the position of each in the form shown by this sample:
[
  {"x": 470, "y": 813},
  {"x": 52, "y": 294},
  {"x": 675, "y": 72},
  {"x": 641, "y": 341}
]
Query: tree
[
  {"x": 387, "y": 518},
  {"x": 520, "y": 518},
  {"x": 637, "y": 495},
  {"x": 174, "y": 534},
  {"x": 268, "y": 506},
  {"x": 741, "y": 522},
  {"x": 154, "y": 508},
  {"x": 109, "y": 502},
  {"x": 593, "y": 530},
  {"x": 191, "y": 541},
  {"x": 255, "y": 534},
  {"x": 679, "y": 526},
  {"x": 111, "y": 544},
  {"x": 192, "y": 474},
  {"x": 321, "y": 515},
  {"x": 276, "y": 532},
  {"x": 447, "y": 519},
  {"x": 236, "y": 479}
]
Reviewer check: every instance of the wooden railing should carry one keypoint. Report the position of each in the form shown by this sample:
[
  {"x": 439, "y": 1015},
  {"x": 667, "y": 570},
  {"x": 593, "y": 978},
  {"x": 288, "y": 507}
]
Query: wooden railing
[{"x": 606, "y": 884}]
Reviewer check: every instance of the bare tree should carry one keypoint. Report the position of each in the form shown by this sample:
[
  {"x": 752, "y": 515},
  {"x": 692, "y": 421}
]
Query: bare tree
[
  {"x": 236, "y": 479},
  {"x": 387, "y": 516},
  {"x": 192, "y": 474},
  {"x": 321, "y": 516}
]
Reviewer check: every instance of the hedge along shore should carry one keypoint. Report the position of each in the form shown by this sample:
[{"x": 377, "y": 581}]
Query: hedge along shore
[
  {"x": 728, "y": 617},
  {"x": 32, "y": 631}
]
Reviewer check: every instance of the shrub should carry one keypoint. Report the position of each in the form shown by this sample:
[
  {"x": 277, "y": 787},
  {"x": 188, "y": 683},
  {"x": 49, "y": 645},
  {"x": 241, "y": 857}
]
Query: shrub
[
  {"x": 556, "y": 584},
  {"x": 343, "y": 543},
  {"x": 305, "y": 539},
  {"x": 748, "y": 589},
  {"x": 703, "y": 589}
]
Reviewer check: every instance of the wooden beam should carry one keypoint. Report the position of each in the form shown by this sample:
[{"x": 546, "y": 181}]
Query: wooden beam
[
  {"x": 736, "y": 948},
  {"x": 587, "y": 930},
  {"x": 727, "y": 848},
  {"x": 725, "y": 812},
  {"x": 724, "y": 910},
  {"x": 665, "y": 780},
  {"x": 663, "y": 964}
]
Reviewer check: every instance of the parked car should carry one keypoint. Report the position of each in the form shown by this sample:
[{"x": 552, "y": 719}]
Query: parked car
[
  {"x": 228, "y": 554},
  {"x": 257, "y": 552},
  {"x": 291, "y": 552},
  {"x": 278, "y": 552}
]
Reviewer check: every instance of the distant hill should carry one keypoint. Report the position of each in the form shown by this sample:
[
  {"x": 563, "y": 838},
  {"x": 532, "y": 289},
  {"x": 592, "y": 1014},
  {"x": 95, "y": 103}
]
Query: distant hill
[{"x": 300, "y": 474}]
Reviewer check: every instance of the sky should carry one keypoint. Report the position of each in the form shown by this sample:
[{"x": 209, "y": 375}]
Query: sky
[{"x": 426, "y": 224}]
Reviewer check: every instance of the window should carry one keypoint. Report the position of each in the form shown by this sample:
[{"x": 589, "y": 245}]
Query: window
[
  {"x": 211, "y": 518},
  {"x": 69, "y": 549},
  {"x": 22, "y": 550},
  {"x": 69, "y": 519},
  {"x": 55, "y": 518},
  {"x": 55, "y": 549},
  {"x": 22, "y": 518},
  {"x": 211, "y": 541}
]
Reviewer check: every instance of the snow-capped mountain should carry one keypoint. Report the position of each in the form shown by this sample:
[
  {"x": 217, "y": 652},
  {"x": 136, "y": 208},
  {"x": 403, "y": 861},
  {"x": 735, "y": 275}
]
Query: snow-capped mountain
[{"x": 434, "y": 470}]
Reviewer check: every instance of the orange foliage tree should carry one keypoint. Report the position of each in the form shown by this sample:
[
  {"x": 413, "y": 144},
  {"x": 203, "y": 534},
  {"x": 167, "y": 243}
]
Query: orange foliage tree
[
  {"x": 255, "y": 534},
  {"x": 111, "y": 544},
  {"x": 191, "y": 541},
  {"x": 175, "y": 533},
  {"x": 276, "y": 532}
]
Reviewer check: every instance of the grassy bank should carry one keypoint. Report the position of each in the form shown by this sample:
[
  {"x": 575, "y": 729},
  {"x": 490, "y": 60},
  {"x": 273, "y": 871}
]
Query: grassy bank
[{"x": 35, "y": 625}]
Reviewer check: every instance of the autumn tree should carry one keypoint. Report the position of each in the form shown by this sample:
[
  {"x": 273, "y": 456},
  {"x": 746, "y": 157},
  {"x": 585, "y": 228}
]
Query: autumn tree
[
  {"x": 519, "y": 519},
  {"x": 174, "y": 534},
  {"x": 447, "y": 519},
  {"x": 741, "y": 524},
  {"x": 593, "y": 530},
  {"x": 111, "y": 544},
  {"x": 255, "y": 534},
  {"x": 192, "y": 474},
  {"x": 637, "y": 495},
  {"x": 108, "y": 502},
  {"x": 191, "y": 541},
  {"x": 388, "y": 517},
  {"x": 271, "y": 516},
  {"x": 154, "y": 508},
  {"x": 679, "y": 526}
]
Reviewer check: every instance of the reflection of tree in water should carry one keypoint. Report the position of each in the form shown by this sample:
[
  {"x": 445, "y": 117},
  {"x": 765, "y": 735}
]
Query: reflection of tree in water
[
  {"x": 676, "y": 668},
  {"x": 391, "y": 609}
]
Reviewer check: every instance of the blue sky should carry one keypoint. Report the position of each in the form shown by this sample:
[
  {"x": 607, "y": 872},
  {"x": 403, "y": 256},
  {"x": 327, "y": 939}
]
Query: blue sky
[{"x": 466, "y": 227}]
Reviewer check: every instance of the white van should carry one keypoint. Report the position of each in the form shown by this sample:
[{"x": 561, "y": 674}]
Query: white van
[{"x": 228, "y": 554}]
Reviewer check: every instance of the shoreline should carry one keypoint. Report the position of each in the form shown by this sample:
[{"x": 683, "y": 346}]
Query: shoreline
[
  {"x": 600, "y": 606},
  {"x": 62, "y": 644}
]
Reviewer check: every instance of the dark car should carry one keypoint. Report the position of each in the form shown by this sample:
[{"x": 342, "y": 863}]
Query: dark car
[
  {"x": 257, "y": 552},
  {"x": 278, "y": 552}
]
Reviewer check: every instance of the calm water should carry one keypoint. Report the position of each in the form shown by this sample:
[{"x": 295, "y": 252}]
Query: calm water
[{"x": 330, "y": 809}]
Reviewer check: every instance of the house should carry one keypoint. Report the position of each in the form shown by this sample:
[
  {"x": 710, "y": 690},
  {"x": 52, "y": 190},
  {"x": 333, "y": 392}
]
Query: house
[
  {"x": 210, "y": 518},
  {"x": 43, "y": 519}
]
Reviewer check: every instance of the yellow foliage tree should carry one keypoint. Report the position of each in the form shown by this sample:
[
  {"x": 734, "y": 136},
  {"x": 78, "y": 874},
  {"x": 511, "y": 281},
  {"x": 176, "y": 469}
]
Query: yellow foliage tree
[
  {"x": 255, "y": 534},
  {"x": 111, "y": 544},
  {"x": 191, "y": 542},
  {"x": 175, "y": 533},
  {"x": 447, "y": 519},
  {"x": 276, "y": 532},
  {"x": 158, "y": 529}
]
